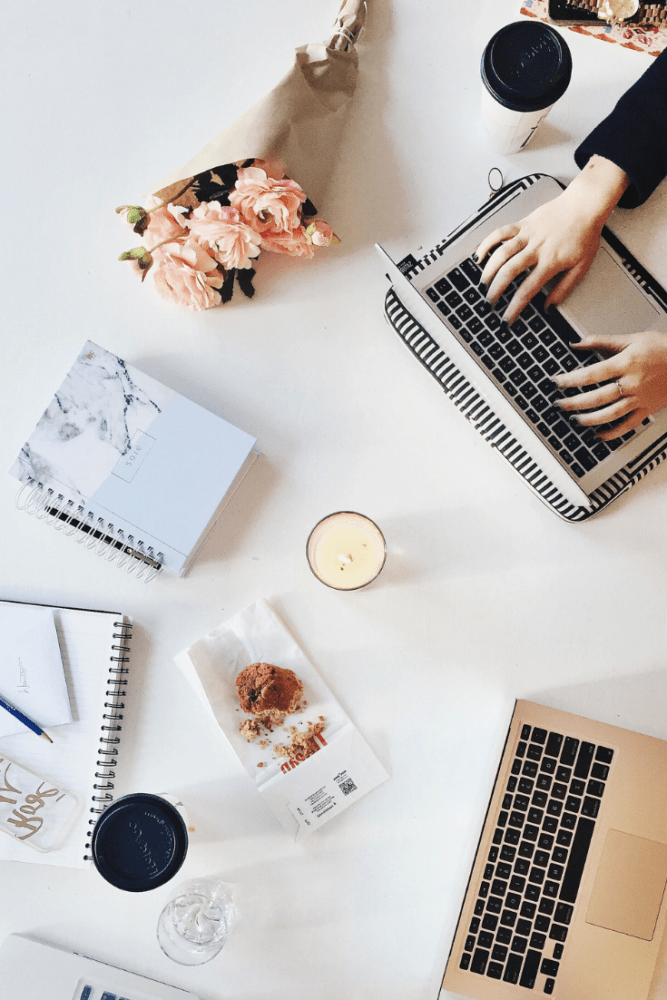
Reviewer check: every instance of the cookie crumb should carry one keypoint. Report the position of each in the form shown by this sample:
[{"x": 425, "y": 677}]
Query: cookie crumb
[
  {"x": 303, "y": 744},
  {"x": 251, "y": 729}
]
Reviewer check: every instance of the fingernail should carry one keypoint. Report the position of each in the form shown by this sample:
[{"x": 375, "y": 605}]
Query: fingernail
[{"x": 474, "y": 257}]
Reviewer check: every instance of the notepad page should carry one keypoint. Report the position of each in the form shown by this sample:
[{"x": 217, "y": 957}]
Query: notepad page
[
  {"x": 31, "y": 669},
  {"x": 86, "y": 639}
]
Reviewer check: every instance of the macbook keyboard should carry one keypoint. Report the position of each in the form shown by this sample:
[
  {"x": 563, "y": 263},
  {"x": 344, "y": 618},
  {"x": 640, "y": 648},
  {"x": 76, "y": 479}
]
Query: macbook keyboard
[
  {"x": 87, "y": 991},
  {"x": 522, "y": 359},
  {"x": 526, "y": 898}
]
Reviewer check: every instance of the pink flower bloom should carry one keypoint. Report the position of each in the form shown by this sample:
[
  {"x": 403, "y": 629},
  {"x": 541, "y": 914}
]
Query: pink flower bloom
[
  {"x": 268, "y": 205},
  {"x": 272, "y": 168},
  {"x": 294, "y": 243},
  {"x": 163, "y": 223},
  {"x": 321, "y": 234},
  {"x": 232, "y": 242},
  {"x": 186, "y": 275}
]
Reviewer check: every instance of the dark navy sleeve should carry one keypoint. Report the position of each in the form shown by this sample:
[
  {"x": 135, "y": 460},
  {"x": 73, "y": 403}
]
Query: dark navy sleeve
[{"x": 634, "y": 135}]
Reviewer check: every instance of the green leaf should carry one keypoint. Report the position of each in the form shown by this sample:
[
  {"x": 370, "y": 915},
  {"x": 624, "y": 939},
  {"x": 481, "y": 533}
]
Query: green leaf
[
  {"x": 135, "y": 214},
  {"x": 138, "y": 253}
]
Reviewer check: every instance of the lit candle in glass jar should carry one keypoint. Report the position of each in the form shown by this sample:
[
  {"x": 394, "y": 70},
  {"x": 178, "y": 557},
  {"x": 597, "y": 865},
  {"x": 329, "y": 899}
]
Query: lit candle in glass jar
[{"x": 346, "y": 551}]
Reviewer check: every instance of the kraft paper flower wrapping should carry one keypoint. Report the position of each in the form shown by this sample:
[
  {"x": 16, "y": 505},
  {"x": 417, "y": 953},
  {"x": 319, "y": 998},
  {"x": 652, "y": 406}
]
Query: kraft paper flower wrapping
[{"x": 255, "y": 186}]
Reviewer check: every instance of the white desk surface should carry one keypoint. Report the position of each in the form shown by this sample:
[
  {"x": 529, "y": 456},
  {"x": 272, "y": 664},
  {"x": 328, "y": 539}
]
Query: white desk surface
[{"x": 486, "y": 595}]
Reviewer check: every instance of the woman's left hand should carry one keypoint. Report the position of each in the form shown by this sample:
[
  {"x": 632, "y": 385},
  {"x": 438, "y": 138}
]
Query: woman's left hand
[{"x": 637, "y": 369}]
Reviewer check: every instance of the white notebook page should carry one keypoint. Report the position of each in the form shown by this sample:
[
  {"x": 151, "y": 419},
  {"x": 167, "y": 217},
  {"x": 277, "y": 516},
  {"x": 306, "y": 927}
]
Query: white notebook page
[{"x": 86, "y": 639}]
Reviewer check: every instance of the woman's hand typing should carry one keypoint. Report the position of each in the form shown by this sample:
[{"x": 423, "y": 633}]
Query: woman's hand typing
[
  {"x": 638, "y": 387},
  {"x": 560, "y": 237}
]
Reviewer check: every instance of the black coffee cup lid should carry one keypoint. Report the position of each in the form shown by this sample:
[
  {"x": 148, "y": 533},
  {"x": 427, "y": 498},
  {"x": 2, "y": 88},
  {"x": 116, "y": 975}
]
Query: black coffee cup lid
[
  {"x": 527, "y": 66},
  {"x": 139, "y": 842}
]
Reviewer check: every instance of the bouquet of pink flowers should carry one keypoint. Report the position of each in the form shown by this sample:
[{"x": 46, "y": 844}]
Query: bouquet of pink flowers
[
  {"x": 203, "y": 228},
  {"x": 199, "y": 249}
]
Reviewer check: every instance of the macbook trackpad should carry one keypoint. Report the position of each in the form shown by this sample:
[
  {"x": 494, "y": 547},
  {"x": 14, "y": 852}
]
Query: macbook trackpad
[
  {"x": 629, "y": 885},
  {"x": 608, "y": 300}
]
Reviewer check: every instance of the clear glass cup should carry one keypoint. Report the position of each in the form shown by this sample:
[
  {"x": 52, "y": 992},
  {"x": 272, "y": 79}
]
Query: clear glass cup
[{"x": 196, "y": 921}]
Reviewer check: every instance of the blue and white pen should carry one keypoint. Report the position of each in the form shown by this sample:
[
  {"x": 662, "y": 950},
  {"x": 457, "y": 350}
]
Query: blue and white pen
[{"x": 24, "y": 719}]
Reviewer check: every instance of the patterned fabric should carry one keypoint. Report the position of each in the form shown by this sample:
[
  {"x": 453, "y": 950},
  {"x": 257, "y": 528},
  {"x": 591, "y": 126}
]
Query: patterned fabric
[
  {"x": 639, "y": 37},
  {"x": 646, "y": 13},
  {"x": 475, "y": 408}
]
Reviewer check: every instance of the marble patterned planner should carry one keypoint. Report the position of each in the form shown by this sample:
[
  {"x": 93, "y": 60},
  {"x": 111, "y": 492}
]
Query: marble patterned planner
[{"x": 118, "y": 454}]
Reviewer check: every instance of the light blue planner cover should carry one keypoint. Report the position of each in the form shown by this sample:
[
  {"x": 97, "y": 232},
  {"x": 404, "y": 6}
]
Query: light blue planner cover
[{"x": 142, "y": 457}]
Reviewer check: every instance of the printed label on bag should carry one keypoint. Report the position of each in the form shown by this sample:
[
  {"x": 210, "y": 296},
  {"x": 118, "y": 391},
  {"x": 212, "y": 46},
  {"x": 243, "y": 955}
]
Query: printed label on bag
[{"x": 317, "y": 807}]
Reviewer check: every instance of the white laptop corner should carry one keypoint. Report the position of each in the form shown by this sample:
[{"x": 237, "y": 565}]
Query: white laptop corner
[{"x": 34, "y": 970}]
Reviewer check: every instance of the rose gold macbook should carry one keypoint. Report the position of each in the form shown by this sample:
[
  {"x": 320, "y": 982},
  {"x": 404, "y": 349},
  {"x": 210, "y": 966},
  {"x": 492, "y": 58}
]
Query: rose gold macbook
[{"x": 565, "y": 898}]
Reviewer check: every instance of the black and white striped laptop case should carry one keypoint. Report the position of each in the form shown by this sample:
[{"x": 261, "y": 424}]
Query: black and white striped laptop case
[{"x": 471, "y": 402}]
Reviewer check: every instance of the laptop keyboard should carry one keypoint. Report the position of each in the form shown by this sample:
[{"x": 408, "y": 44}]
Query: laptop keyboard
[
  {"x": 522, "y": 359},
  {"x": 86, "y": 990},
  {"x": 532, "y": 874}
]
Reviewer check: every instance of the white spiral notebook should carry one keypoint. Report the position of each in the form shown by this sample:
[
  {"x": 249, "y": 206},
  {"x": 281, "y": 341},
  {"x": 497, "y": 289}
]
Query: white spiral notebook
[
  {"x": 129, "y": 467},
  {"x": 84, "y": 755}
]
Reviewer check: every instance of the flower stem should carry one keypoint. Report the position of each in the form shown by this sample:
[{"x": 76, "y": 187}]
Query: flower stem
[
  {"x": 171, "y": 200},
  {"x": 169, "y": 239}
]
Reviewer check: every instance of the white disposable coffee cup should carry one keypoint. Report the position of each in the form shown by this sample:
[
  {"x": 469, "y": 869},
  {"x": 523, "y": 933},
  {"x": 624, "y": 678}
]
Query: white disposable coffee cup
[{"x": 526, "y": 67}]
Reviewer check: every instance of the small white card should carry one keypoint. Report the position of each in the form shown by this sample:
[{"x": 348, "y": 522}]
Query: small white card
[
  {"x": 304, "y": 791},
  {"x": 32, "y": 677}
]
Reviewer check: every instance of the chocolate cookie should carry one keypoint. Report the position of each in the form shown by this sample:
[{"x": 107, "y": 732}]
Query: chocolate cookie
[{"x": 268, "y": 692}]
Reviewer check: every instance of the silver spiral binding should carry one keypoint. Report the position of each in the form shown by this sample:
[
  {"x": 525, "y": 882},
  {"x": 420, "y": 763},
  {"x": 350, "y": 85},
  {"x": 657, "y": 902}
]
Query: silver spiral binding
[
  {"x": 112, "y": 718},
  {"x": 98, "y": 535}
]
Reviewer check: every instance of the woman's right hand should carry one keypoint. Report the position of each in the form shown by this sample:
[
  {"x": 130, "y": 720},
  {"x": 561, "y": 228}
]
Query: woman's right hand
[{"x": 560, "y": 237}]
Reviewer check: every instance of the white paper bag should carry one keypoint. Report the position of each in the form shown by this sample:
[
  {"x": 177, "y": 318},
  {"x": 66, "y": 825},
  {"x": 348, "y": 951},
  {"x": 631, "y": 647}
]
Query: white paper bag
[{"x": 303, "y": 793}]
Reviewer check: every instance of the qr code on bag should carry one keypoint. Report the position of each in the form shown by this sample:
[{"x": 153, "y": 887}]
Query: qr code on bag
[{"x": 345, "y": 783}]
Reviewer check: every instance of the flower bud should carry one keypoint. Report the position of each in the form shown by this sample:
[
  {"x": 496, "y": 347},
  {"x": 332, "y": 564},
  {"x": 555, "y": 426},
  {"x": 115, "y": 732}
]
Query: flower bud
[
  {"x": 136, "y": 217},
  {"x": 140, "y": 258},
  {"x": 321, "y": 234}
]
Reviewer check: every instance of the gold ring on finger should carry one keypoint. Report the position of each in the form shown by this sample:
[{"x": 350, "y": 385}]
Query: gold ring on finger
[{"x": 619, "y": 387}]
